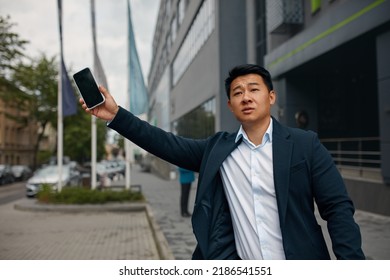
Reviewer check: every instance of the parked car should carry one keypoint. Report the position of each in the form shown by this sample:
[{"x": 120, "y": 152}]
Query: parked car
[
  {"x": 21, "y": 172},
  {"x": 6, "y": 175},
  {"x": 49, "y": 175},
  {"x": 101, "y": 174},
  {"x": 112, "y": 168}
]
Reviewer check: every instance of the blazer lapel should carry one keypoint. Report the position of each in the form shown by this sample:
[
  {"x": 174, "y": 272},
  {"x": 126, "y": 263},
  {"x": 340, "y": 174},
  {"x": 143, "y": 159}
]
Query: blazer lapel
[
  {"x": 217, "y": 155},
  {"x": 282, "y": 150}
]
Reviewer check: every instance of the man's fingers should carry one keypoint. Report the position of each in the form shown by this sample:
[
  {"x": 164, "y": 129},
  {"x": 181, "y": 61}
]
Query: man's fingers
[{"x": 103, "y": 90}]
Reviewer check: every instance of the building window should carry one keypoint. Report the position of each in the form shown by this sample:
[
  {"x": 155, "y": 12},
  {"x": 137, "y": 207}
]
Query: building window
[
  {"x": 167, "y": 8},
  {"x": 200, "y": 30},
  {"x": 199, "y": 123},
  {"x": 261, "y": 34},
  {"x": 181, "y": 10},
  {"x": 284, "y": 16},
  {"x": 173, "y": 29}
]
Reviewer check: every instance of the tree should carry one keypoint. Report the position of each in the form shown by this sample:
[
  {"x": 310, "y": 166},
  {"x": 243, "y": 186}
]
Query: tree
[
  {"x": 77, "y": 137},
  {"x": 37, "y": 78},
  {"x": 11, "y": 54},
  {"x": 11, "y": 46},
  {"x": 31, "y": 84},
  {"x": 40, "y": 80}
]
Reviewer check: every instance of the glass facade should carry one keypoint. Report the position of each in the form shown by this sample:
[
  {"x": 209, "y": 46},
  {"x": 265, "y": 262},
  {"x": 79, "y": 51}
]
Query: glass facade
[
  {"x": 159, "y": 115},
  {"x": 200, "y": 30},
  {"x": 199, "y": 123},
  {"x": 181, "y": 11}
]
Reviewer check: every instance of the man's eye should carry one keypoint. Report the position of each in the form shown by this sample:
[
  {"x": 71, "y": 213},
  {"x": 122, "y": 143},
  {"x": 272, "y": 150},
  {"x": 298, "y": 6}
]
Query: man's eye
[
  {"x": 254, "y": 89},
  {"x": 237, "y": 93}
]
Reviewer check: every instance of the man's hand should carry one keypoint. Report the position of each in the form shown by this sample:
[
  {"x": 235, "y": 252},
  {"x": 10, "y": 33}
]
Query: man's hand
[{"x": 105, "y": 111}]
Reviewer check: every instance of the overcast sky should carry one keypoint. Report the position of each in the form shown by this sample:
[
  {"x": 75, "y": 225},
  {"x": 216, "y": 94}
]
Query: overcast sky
[{"x": 37, "y": 22}]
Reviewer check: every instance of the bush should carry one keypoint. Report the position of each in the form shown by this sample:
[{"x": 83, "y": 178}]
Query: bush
[{"x": 77, "y": 195}]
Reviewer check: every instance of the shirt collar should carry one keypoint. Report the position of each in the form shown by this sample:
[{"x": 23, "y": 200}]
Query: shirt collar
[{"x": 267, "y": 135}]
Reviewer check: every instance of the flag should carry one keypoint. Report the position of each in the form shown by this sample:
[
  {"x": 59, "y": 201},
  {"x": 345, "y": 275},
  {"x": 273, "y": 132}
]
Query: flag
[
  {"x": 98, "y": 71},
  {"x": 66, "y": 93},
  {"x": 69, "y": 103},
  {"x": 137, "y": 90},
  {"x": 97, "y": 65}
]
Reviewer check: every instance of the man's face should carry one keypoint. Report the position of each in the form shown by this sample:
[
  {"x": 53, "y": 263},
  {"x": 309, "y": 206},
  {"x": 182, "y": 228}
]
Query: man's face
[{"x": 250, "y": 100}]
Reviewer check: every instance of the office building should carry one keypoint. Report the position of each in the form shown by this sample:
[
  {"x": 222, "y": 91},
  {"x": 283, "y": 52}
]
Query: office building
[{"x": 329, "y": 59}]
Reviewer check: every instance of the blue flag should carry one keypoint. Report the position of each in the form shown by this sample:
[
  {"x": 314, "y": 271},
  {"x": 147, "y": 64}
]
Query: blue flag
[
  {"x": 69, "y": 102},
  {"x": 137, "y": 89},
  {"x": 69, "y": 105}
]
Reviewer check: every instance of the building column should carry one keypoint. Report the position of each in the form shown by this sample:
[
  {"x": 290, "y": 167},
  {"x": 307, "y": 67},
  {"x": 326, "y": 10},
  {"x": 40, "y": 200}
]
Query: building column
[{"x": 383, "y": 70}]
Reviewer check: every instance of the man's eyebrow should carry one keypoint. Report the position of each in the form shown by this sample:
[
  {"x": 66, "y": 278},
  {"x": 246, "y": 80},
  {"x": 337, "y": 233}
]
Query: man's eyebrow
[
  {"x": 236, "y": 87},
  {"x": 249, "y": 84}
]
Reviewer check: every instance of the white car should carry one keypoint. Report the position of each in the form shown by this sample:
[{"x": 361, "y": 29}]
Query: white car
[{"x": 48, "y": 175}]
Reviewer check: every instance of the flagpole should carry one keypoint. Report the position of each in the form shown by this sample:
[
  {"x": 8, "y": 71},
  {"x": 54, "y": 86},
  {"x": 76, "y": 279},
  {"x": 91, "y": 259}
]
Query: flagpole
[
  {"x": 93, "y": 152},
  {"x": 59, "y": 105},
  {"x": 127, "y": 142},
  {"x": 93, "y": 118},
  {"x": 59, "y": 132}
]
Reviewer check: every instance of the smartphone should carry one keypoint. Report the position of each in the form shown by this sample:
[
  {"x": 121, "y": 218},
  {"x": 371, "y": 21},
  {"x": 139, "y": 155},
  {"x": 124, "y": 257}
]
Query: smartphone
[{"x": 88, "y": 88}]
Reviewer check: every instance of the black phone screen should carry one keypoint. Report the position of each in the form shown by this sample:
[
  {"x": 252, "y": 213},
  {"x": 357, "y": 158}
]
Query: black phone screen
[{"x": 88, "y": 88}]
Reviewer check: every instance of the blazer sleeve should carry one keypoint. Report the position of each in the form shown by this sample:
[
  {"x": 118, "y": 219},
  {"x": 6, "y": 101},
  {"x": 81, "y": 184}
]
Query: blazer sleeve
[
  {"x": 177, "y": 150},
  {"x": 334, "y": 204}
]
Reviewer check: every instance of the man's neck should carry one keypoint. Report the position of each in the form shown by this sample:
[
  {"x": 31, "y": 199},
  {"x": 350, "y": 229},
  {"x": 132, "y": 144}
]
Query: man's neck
[{"x": 255, "y": 132}]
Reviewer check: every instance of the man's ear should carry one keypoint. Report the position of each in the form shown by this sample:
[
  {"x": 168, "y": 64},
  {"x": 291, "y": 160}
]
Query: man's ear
[
  {"x": 272, "y": 97},
  {"x": 229, "y": 105}
]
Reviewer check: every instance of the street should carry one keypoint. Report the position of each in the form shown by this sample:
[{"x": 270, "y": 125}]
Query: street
[{"x": 12, "y": 192}]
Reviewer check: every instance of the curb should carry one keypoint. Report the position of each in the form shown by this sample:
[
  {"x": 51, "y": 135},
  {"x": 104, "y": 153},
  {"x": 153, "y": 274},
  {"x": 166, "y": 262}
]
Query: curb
[
  {"x": 163, "y": 249},
  {"x": 75, "y": 208}
]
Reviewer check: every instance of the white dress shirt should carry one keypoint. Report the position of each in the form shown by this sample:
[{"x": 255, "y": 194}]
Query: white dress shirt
[{"x": 247, "y": 175}]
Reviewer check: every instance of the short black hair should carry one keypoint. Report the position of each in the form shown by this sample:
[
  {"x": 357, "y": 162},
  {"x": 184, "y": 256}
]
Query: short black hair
[{"x": 245, "y": 69}]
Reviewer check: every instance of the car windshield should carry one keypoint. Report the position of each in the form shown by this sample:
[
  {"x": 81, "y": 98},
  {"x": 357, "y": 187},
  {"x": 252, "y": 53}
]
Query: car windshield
[
  {"x": 17, "y": 167},
  {"x": 52, "y": 169}
]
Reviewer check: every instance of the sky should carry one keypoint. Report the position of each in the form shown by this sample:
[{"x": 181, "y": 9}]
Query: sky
[{"x": 37, "y": 22}]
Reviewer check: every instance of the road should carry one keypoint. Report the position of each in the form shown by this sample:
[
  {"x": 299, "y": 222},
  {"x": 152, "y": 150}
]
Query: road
[{"x": 12, "y": 192}]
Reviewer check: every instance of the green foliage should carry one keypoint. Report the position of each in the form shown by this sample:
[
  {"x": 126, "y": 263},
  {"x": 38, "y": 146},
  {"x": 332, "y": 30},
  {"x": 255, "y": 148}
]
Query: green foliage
[
  {"x": 77, "y": 137},
  {"x": 11, "y": 46},
  {"x": 37, "y": 78},
  {"x": 31, "y": 85},
  {"x": 43, "y": 156},
  {"x": 46, "y": 194},
  {"x": 78, "y": 195}
]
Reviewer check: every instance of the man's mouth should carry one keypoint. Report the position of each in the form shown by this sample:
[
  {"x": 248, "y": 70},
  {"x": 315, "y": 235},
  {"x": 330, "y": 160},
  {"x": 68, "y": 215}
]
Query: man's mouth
[{"x": 247, "y": 110}]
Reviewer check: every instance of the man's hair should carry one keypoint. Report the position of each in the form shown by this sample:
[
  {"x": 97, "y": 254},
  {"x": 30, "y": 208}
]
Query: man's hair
[{"x": 246, "y": 69}]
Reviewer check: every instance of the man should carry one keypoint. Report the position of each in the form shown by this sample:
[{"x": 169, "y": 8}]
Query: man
[
  {"x": 186, "y": 177},
  {"x": 257, "y": 187}
]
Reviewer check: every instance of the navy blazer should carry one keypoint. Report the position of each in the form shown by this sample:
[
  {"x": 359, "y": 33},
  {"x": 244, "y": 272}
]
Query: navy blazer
[{"x": 304, "y": 173}]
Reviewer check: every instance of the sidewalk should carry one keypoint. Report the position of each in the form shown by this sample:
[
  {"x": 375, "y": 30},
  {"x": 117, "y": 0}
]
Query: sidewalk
[
  {"x": 138, "y": 232},
  {"x": 126, "y": 231}
]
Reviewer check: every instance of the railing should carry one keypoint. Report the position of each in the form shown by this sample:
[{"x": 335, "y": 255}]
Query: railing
[{"x": 359, "y": 158}]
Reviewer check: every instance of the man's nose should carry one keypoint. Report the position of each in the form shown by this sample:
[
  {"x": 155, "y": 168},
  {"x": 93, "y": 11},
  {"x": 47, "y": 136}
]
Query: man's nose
[{"x": 246, "y": 96}]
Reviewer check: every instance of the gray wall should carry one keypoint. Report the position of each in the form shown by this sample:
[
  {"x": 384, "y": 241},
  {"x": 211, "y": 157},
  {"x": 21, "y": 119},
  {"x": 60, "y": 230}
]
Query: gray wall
[{"x": 232, "y": 51}]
